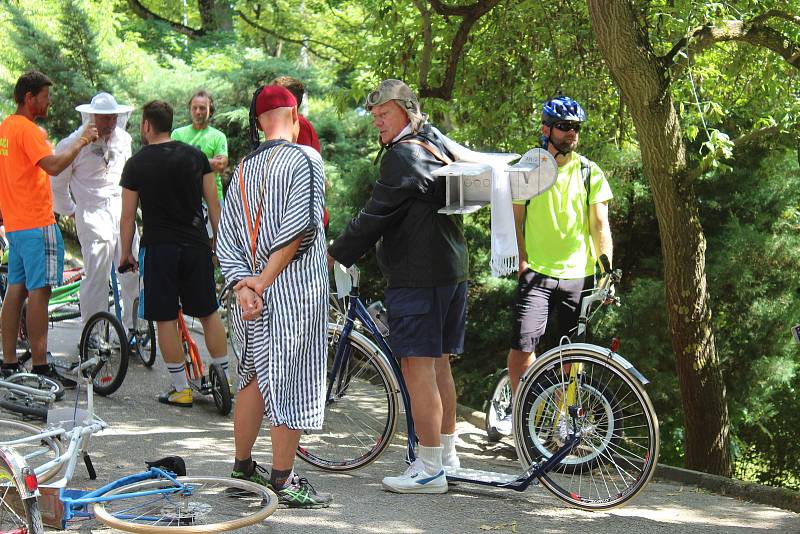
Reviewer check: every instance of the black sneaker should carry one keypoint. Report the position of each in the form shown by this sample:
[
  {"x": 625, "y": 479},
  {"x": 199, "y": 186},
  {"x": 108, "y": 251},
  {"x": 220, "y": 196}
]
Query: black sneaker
[
  {"x": 299, "y": 493},
  {"x": 5, "y": 372},
  {"x": 254, "y": 476},
  {"x": 52, "y": 374}
]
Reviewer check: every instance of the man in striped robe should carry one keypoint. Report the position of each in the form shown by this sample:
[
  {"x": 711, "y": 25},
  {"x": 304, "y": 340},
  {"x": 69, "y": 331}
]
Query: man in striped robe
[{"x": 272, "y": 243}]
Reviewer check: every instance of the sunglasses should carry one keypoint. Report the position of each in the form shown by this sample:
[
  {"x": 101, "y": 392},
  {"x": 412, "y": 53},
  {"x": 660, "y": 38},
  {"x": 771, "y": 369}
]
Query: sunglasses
[{"x": 567, "y": 126}]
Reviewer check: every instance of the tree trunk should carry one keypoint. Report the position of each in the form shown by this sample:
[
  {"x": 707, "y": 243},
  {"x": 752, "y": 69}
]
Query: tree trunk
[{"x": 645, "y": 86}]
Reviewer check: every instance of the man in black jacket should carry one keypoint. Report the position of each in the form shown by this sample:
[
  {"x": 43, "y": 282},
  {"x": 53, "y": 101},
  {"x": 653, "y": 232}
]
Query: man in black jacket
[{"x": 423, "y": 256}]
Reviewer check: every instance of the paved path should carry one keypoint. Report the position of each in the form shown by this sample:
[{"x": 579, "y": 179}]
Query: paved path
[{"x": 141, "y": 429}]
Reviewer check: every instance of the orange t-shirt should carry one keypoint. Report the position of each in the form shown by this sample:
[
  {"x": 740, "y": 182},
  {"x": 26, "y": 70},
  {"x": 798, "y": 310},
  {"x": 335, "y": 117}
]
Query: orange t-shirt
[{"x": 25, "y": 197}]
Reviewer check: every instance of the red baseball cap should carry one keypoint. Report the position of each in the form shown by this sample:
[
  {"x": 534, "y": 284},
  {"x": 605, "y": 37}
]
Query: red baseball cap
[{"x": 273, "y": 97}]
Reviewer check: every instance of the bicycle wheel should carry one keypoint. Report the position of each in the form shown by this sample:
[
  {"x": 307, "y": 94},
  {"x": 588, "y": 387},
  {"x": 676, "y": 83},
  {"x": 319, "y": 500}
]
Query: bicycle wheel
[
  {"x": 19, "y": 512},
  {"x": 26, "y": 404},
  {"x": 209, "y": 504},
  {"x": 104, "y": 337},
  {"x": 35, "y": 381},
  {"x": 499, "y": 407},
  {"x": 36, "y": 450},
  {"x": 231, "y": 308},
  {"x": 144, "y": 336},
  {"x": 220, "y": 389},
  {"x": 618, "y": 447},
  {"x": 360, "y": 410}
]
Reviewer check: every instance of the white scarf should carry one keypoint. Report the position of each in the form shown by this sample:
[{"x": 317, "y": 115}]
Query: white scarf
[{"x": 505, "y": 254}]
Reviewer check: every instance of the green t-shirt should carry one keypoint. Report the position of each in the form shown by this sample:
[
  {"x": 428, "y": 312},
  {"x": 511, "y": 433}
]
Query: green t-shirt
[
  {"x": 210, "y": 141},
  {"x": 557, "y": 236}
]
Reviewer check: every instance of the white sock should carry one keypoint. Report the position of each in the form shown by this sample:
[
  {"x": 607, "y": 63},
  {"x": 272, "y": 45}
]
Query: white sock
[
  {"x": 177, "y": 373},
  {"x": 449, "y": 454},
  {"x": 222, "y": 361},
  {"x": 431, "y": 459}
]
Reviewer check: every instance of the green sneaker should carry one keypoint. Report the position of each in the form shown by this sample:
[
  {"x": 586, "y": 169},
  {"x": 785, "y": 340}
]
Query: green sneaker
[
  {"x": 255, "y": 475},
  {"x": 299, "y": 493}
]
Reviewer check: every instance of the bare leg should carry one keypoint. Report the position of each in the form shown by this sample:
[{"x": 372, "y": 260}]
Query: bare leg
[
  {"x": 9, "y": 319},
  {"x": 37, "y": 323},
  {"x": 247, "y": 417},
  {"x": 214, "y": 333},
  {"x": 518, "y": 362},
  {"x": 447, "y": 392},
  {"x": 426, "y": 404},
  {"x": 169, "y": 341},
  {"x": 284, "y": 446}
]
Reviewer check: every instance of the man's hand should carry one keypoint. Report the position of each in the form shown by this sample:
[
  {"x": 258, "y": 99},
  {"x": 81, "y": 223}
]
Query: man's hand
[
  {"x": 90, "y": 132},
  {"x": 128, "y": 262},
  {"x": 218, "y": 163},
  {"x": 256, "y": 283},
  {"x": 523, "y": 266},
  {"x": 331, "y": 261},
  {"x": 250, "y": 302}
]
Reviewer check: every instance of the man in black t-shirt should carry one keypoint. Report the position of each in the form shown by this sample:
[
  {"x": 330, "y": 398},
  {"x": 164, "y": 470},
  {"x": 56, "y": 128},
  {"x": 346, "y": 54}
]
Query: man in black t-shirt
[{"x": 170, "y": 178}]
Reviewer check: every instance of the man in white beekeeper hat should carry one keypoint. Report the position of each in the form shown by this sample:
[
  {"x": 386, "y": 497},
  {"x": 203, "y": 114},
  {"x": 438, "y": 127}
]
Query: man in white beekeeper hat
[{"x": 96, "y": 202}]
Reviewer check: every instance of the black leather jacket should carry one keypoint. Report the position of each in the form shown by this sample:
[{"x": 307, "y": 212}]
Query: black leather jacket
[{"x": 418, "y": 247}]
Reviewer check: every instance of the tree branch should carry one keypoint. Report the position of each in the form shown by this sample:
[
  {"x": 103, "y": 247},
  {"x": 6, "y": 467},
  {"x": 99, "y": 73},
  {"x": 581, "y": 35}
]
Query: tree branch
[
  {"x": 427, "y": 39},
  {"x": 750, "y": 138},
  {"x": 469, "y": 14},
  {"x": 302, "y": 42},
  {"x": 754, "y": 32},
  {"x": 144, "y": 13}
]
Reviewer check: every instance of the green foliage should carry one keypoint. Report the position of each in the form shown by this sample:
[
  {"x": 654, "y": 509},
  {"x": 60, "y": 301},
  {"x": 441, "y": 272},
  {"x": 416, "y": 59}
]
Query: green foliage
[{"x": 517, "y": 55}]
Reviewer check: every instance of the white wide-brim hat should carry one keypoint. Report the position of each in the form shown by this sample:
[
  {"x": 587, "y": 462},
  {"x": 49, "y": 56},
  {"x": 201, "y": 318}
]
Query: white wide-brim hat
[{"x": 103, "y": 104}]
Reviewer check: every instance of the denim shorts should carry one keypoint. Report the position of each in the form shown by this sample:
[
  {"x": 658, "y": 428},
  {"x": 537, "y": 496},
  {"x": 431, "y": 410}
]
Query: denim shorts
[
  {"x": 427, "y": 321},
  {"x": 36, "y": 257}
]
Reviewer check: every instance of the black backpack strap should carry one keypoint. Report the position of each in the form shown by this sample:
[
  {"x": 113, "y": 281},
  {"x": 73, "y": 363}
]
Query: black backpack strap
[{"x": 586, "y": 172}]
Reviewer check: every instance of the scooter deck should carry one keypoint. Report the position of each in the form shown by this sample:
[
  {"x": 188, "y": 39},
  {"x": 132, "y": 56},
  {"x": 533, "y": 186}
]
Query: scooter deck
[{"x": 481, "y": 477}]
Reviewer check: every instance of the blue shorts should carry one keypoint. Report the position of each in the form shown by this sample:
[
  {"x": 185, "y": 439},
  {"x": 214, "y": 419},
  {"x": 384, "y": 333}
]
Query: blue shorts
[
  {"x": 427, "y": 321},
  {"x": 36, "y": 257}
]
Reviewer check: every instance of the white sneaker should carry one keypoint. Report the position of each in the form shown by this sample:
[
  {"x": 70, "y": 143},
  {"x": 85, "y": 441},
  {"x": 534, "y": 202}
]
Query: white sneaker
[
  {"x": 505, "y": 426},
  {"x": 416, "y": 480}
]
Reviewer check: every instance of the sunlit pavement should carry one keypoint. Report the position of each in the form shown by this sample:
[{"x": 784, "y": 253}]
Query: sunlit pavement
[{"x": 142, "y": 429}]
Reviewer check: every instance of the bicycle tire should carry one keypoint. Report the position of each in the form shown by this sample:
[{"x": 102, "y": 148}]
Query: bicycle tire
[
  {"x": 230, "y": 319},
  {"x": 256, "y": 503},
  {"x": 17, "y": 513},
  {"x": 361, "y": 412},
  {"x": 26, "y": 408},
  {"x": 144, "y": 336},
  {"x": 220, "y": 389},
  {"x": 36, "y": 450},
  {"x": 623, "y": 457},
  {"x": 499, "y": 405},
  {"x": 37, "y": 381},
  {"x": 104, "y": 336}
]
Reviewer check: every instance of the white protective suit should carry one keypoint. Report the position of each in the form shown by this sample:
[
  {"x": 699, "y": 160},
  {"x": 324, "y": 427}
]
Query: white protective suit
[{"x": 96, "y": 201}]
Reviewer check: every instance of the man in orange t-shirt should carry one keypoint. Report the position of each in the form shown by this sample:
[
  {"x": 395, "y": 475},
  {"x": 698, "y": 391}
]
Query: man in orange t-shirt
[{"x": 36, "y": 250}]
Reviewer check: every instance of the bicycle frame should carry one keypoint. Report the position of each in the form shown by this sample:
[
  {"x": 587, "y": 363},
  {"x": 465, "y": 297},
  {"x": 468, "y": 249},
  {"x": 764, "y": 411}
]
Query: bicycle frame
[
  {"x": 194, "y": 352},
  {"x": 357, "y": 311},
  {"x": 75, "y": 502}
]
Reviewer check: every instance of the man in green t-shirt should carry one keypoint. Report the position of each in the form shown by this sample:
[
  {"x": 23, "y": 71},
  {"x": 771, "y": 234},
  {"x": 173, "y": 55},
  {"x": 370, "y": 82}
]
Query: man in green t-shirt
[
  {"x": 205, "y": 137},
  {"x": 560, "y": 235}
]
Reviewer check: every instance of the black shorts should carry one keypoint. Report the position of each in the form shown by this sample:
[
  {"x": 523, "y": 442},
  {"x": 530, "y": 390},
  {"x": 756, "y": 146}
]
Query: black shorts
[
  {"x": 177, "y": 275},
  {"x": 427, "y": 321},
  {"x": 543, "y": 303}
]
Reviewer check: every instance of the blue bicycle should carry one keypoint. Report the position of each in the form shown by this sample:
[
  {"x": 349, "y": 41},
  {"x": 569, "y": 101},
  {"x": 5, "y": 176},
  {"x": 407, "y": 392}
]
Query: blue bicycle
[
  {"x": 583, "y": 424},
  {"x": 159, "y": 499}
]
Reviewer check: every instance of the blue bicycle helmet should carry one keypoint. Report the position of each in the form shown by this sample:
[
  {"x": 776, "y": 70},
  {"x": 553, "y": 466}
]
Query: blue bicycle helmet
[{"x": 562, "y": 108}]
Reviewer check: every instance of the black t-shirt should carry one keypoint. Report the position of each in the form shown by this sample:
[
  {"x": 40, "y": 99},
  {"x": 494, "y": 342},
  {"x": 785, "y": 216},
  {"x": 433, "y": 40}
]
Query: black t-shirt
[{"x": 169, "y": 179}]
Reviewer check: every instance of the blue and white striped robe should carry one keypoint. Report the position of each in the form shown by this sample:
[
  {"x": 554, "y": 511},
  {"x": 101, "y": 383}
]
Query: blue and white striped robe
[{"x": 285, "y": 349}]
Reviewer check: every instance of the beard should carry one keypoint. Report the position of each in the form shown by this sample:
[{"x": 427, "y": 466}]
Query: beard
[{"x": 564, "y": 146}]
